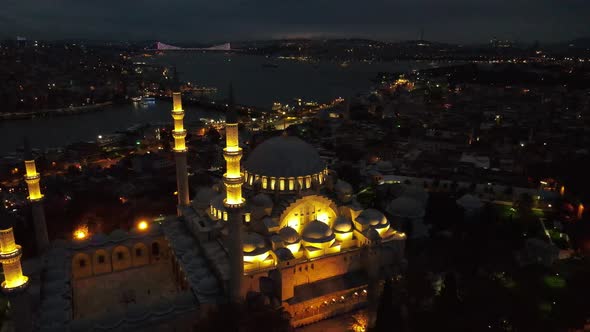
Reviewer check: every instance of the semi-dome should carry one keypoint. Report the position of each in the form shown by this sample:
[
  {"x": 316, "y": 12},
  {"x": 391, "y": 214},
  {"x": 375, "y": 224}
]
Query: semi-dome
[
  {"x": 371, "y": 217},
  {"x": 253, "y": 243},
  {"x": 406, "y": 207},
  {"x": 289, "y": 235},
  {"x": 342, "y": 224},
  {"x": 317, "y": 231},
  {"x": 284, "y": 156}
]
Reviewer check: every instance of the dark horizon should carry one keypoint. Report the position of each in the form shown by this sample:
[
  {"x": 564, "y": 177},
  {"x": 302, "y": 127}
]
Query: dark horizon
[{"x": 451, "y": 21}]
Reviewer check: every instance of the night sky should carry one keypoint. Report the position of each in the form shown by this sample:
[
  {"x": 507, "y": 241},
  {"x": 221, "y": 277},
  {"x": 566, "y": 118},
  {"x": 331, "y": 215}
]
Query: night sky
[{"x": 462, "y": 21}]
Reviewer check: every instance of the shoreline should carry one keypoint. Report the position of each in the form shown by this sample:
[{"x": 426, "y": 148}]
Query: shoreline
[{"x": 54, "y": 112}]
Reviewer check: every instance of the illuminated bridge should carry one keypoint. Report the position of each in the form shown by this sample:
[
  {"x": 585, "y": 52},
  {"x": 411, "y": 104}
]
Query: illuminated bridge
[{"x": 165, "y": 47}]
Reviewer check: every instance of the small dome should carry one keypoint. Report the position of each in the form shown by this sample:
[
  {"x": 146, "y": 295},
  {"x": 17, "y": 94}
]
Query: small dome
[
  {"x": 373, "y": 235},
  {"x": 371, "y": 217},
  {"x": 405, "y": 207},
  {"x": 253, "y": 242},
  {"x": 284, "y": 156},
  {"x": 118, "y": 235},
  {"x": 99, "y": 239},
  {"x": 343, "y": 186},
  {"x": 317, "y": 231},
  {"x": 289, "y": 235},
  {"x": 262, "y": 200},
  {"x": 207, "y": 285},
  {"x": 342, "y": 224}
]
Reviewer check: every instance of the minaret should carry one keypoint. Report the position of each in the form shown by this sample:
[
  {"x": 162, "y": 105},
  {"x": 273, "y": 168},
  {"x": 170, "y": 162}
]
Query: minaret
[
  {"x": 373, "y": 269},
  {"x": 179, "y": 134},
  {"x": 15, "y": 284},
  {"x": 36, "y": 198},
  {"x": 234, "y": 202}
]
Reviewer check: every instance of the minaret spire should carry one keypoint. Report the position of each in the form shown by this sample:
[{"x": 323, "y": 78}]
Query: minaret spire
[
  {"x": 234, "y": 201},
  {"x": 36, "y": 198},
  {"x": 15, "y": 283},
  {"x": 179, "y": 134}
]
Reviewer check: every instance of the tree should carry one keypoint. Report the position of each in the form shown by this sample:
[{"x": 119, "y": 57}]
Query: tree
[
  {"x": 251, "y": 317},
  {"x": 388, "y": 311}
]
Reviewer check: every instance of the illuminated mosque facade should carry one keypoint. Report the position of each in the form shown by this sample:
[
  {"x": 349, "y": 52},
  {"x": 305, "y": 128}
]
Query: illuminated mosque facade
[{"x": 280, "y": 225}]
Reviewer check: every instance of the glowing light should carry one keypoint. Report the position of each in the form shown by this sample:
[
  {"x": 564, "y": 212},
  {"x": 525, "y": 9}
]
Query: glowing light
[
  {"x": 81, "y": 232},
  {"x": 142, "y": 225}
]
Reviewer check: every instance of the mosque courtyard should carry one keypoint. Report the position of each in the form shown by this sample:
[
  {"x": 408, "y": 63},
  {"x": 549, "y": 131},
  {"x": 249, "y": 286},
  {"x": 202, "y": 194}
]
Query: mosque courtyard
[{"x": 113, "y": 293}]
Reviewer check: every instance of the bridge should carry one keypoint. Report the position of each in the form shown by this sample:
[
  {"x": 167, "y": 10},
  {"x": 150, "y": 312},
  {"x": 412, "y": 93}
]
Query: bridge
[{"x": 159, "y": 46}]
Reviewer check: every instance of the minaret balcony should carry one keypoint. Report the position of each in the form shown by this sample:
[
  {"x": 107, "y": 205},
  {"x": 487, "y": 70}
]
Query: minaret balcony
[
  {"x": 230, "y": 152},
  {"x": 234, "y": 205},
  {"x": 233, "y": 180},
  {"x": 179, "y": 133},
  {"x": 11, "y": 256},
  {"x": 178, "y": 114},
  {"x": 32, "y": 177}
]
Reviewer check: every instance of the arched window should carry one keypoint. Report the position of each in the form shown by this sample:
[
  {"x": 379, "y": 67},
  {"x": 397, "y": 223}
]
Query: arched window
[
  {"x": 138, "y": 252},
  {"x": 82, "y": 263},
  {"x": 155, "y": 249}
]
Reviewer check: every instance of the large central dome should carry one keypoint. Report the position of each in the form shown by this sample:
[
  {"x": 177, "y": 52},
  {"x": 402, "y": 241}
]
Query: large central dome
[{"x": 284, "y": 156}]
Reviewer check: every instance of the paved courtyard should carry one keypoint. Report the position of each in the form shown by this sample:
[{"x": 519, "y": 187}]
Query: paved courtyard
[{"x": 113, "y": 292}]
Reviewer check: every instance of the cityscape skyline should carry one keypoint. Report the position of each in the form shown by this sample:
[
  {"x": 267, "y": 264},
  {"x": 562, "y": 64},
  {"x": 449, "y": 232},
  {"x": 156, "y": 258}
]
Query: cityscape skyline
[{"x": 463, "y": 22}]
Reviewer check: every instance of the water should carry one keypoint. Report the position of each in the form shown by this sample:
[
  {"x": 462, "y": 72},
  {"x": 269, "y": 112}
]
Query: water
[
  {"x": 50, "y": 132},
  {"x": 253, "y": 83},
  {"x": 259, "y": 85}
]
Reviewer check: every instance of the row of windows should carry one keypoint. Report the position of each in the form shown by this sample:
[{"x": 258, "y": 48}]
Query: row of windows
[
  {"x": 121, "y": 255},
  {"x": 282, "y": 184},
  {"x": 302, "y": 268}
]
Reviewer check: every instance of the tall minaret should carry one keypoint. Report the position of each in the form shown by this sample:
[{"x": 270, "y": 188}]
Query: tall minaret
[
  {"x": 179, "y": 134},
  {"x": 15, "y": 284},
  {"x": 373, "y": 268},
  {"x": 36, "y": 198},
  {"x": 234, "y": 202}
]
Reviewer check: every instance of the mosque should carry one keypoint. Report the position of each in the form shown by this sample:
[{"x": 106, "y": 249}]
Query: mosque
[{"x": 281, "y": 225}]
